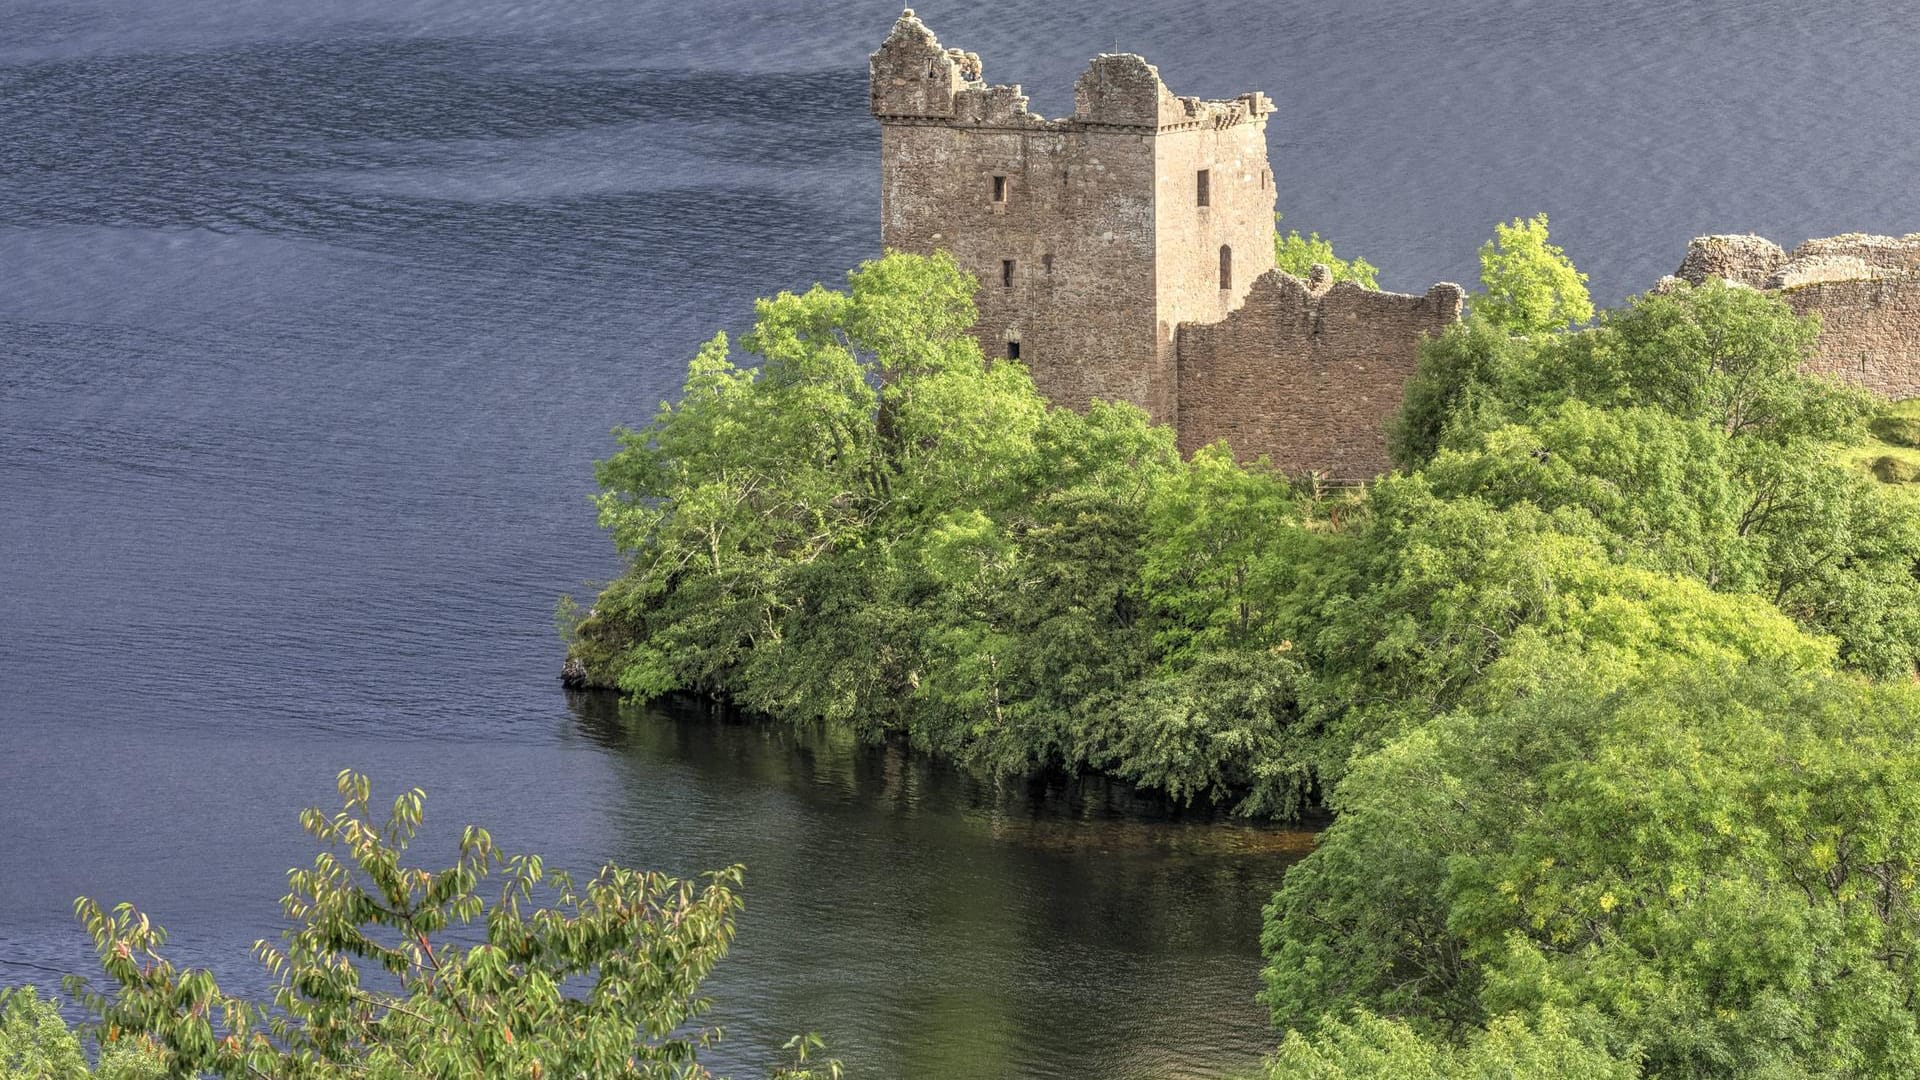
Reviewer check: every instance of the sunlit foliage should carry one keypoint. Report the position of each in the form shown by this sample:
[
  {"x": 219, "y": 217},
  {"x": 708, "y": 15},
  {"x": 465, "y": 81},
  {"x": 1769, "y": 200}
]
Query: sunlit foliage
[
  {"x": 1298, "y": 255},
  {"x": 389, "y": 970}
]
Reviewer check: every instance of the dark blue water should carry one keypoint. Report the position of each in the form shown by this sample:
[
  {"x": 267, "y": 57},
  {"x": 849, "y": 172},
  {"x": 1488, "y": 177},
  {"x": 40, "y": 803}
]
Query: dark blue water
[{"x": 313, "y": 316}]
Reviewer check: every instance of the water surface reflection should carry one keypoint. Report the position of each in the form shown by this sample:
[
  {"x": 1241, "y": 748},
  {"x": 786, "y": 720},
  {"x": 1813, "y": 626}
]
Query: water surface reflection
[{"x": 1052, "y": 927}]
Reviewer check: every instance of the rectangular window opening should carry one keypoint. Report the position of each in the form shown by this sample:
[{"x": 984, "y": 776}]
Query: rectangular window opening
[
  {"x": 999, "y": 189},
  {"x": 1205, "y": 190},
  {"x": 1046, "y": 263},
  {"x": 1013, "y": 350},
  {"x": 1006, "y": 273}
]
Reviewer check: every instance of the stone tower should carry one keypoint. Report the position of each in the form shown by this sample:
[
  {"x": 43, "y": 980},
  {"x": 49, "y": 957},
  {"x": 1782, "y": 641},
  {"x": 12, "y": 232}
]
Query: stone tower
[{"x": 1094, "y": 236}]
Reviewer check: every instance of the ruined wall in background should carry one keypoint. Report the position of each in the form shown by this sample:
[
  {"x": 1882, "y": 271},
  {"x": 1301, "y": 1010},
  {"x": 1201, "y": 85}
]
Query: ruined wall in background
[
  {"x": 1869, "y": 332},
  {"x": 1866, "y": 290},
  {"x": 1309, "y": 374}
]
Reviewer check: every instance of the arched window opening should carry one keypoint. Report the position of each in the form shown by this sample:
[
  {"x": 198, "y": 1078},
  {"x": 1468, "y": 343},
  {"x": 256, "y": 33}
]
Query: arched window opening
[{"x": 1226, "y": 267}]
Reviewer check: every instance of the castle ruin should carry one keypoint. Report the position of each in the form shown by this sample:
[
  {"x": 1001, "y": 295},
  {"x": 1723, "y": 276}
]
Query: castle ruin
[
  {"x": 1866, "y": 290},
  {"x": 1125, "y": 253}
]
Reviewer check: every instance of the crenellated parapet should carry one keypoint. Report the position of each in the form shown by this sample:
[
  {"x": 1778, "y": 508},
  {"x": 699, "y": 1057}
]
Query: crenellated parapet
[
  {"x": 914, "y": 79},
  {"x": 1125, "y": 253}
]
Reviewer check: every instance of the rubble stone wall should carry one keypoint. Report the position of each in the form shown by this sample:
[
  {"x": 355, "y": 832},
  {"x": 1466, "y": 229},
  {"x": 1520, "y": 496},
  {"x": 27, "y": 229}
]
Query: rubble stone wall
[
  {"x": 1308, "y": 374},
  {"x": 1869, "y": 332},
  {"x": 1866, "y": 290},
  {"x": 1127, "y": 251}
]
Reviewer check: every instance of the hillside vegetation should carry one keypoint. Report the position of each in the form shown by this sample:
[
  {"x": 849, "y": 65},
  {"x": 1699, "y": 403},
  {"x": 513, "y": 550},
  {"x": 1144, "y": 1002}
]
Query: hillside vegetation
[
  {"x": 871, "y": 525},
  {"x": 1891, "y": 452},
  {"x": 1610, "y": 684}
]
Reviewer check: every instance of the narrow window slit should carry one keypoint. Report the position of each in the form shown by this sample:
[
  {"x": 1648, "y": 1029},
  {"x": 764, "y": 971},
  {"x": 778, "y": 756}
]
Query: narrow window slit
[
  {"x": 1226, "y": 267},
  {"x": 999, "y": 189},
  {"x": 1006, "y": 273},
  {"x": 1205, "y": 188}
]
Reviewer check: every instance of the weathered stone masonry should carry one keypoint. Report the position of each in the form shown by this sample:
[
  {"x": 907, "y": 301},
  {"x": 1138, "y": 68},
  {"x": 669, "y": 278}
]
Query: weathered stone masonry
[
  {"x": 1866, "y": 290},
  {"x": 1125, "y": 253},
  {"x": 1309, "y": 373},
  {"x": 1108, "y": 241}
]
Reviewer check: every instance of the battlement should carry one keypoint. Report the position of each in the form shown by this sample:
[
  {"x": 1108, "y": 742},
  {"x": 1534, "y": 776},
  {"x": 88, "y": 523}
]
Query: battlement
[
  {"x": 1124, "y": 254},
  {"x": 914, "y": 80}
]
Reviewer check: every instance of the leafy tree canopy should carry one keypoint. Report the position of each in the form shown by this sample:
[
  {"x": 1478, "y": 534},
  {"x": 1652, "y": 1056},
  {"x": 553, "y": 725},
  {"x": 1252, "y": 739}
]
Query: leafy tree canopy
[
  {"x": 1298, "y": 255},
  {"x": 36, "y": 1044},
  {"x": 1513, "y": 1047},
  {"x": 1529, "y": 286},
  {"x": 1705, "y": 865},
  {"x": 391, "y": 970}
]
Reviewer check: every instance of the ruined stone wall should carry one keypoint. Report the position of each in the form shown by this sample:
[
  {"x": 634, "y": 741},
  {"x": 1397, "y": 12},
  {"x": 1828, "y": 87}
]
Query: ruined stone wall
[
  {"x": 1866, "y": 290},
  {"x": 1869, "y": 332},
  {"x": 1097, "y": 213},
  {"x": 1309, "y": 375},
  {"x": 1232, "y": 149},
  {"x": 1076, "y": 221}
]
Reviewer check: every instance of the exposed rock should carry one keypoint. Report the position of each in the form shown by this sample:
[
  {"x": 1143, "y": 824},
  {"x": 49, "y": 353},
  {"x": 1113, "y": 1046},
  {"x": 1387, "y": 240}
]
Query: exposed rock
[
  {"x": 1746, "y": 260},
  {"x": 1814, "y": 269}
]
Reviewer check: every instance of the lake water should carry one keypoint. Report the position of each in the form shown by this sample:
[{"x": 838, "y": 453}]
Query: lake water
[{"x": 313, "y": 316}]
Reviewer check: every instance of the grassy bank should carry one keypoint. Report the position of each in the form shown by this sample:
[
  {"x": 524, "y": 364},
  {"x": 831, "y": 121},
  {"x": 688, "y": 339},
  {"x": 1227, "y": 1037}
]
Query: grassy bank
[{"x": 1892, "y": 452}]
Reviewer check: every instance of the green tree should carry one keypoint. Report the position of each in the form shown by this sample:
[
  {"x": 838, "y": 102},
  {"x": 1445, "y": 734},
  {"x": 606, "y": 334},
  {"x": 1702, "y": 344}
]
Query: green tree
[
  {"x": 1529, "y": 286},
  {"x": 1435, "y": 603},
  {"x": 1513, "y": 1047},
  {"x": 1708, "y": 863},
  {"x": 1469, "y": 378},
  {"x": 602, "y": 981},
  {"x": 946, "y": 557},
  {"x": 36, "y": 1044},
  {"x": 1727, "y": 355},
  {"x": 1681, "y": 434},
  {"x": 1217, "y": 538},
  {"x": 1298, "y": 255}
]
